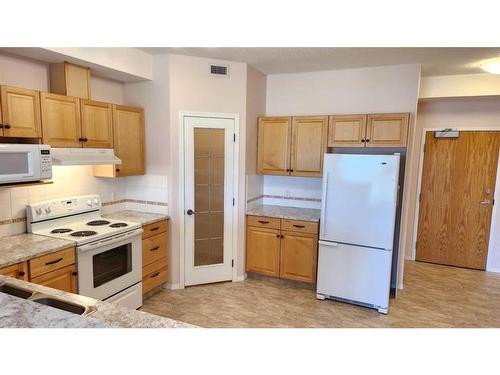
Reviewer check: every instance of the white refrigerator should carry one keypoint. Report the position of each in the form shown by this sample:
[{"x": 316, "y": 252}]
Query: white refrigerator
[{"x": 357, "y": 228}]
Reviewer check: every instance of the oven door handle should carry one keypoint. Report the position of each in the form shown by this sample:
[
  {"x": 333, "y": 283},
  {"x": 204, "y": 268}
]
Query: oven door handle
[{"x": 111, "y": 240}]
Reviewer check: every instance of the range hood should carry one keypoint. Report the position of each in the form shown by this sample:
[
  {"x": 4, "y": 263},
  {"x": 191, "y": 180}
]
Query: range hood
[{"x": 84, "y": 156}]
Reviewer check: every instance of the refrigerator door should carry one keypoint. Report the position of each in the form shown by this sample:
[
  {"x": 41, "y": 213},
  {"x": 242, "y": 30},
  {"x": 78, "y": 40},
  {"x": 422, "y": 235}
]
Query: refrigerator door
[
  {"x": 359, "y": 199},
  {"x": 355, "y": 274}
]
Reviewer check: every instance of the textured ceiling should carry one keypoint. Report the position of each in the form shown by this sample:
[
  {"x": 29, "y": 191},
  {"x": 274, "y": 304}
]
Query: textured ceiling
[{"x": 435, "y": 61}]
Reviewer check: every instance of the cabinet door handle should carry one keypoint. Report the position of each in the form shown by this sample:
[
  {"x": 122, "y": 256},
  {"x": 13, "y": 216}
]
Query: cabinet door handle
[
  {"x": 21, "y": 273},
  {"x": 85, "y": 140},
  {"x": 299, "y": 226},
  {"x": 367, "y": 140},
  {"x": 154, "y": 248},
  {"x": 117, "y": 169},
  {"x": 7, "y": 126},
  {"x": 1, "y": 126},
  {"x": 155, "y": 228},
  {"x": 53, "y": 262},
  {"x": 74, "y": 273},
  {"x": 278, "y": 236},
  {"x": 263, "y": 221},
  {"x": 363, "y": 140},
  {"x": 80, "y": 139},
  {"x": 281, "y": 236},
  {"x": 156, "y": 274}
]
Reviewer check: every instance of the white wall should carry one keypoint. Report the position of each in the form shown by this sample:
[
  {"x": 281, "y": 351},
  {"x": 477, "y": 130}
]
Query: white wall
[
  {"x": 192, "y": 89},
  {"x": 24, "y": 73},
  {"x": 463, "y": 85},
  {"x": 460, "y": 113}
]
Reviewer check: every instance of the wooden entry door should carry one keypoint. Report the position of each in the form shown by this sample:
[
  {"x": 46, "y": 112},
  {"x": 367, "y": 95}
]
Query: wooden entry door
[{"x": 456, "y": 201}]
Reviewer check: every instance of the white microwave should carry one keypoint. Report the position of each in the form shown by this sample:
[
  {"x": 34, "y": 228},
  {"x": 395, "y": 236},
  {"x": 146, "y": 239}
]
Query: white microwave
[{"x": 24, "y": 162}]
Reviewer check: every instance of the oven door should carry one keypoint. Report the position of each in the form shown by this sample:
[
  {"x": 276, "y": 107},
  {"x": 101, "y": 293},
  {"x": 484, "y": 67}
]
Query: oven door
[
  {"x": 18, "y": 164},
  {"x": 109, "y": 266}
]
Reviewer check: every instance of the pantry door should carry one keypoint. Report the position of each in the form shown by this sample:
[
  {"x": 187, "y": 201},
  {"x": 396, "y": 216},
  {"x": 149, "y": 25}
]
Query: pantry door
[
  {"x": 457, "y": 197},
  {"x": 208, "y": 199}
]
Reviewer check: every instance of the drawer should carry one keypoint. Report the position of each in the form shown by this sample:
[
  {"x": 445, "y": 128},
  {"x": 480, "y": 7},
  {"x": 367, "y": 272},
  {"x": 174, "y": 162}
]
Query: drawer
[
  {"x": 154, "y": 248},
  {"x": 156, "y": 275},
  {"x": 50, "y": 262},
  {"x": 299, "y": 226},
  {"x": 154, "y": 228},
  {"x": 264, "y": 222}
]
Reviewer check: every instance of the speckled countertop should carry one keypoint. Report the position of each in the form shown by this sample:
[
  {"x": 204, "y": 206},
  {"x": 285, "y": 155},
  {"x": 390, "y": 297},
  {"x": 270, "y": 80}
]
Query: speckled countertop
[
  {"x": 19, "y": 313},
  {"x": 137, "y": 217},
  {"x": 283, "y": 212},
  {"x": 21, "y": 247}
]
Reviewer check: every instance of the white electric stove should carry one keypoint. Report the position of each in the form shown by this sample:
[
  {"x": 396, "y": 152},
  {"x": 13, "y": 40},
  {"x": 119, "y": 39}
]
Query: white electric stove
[{"x": 109, "y": 252}]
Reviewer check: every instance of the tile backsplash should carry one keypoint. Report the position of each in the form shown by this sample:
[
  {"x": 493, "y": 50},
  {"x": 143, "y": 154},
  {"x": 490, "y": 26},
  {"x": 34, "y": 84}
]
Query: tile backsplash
[{"x": 144, "y": 193}]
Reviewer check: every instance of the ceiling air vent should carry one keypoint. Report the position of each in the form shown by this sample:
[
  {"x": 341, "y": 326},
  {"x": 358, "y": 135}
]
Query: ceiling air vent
[{"x": 219, "y": 70}]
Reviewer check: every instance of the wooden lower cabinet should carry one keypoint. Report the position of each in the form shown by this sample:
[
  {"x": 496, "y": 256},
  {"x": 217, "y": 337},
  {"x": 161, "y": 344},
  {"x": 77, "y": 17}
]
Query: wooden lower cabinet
[
  {"x": 62, "y": 279},
  {"x": 299, "y": 256},
  {"x": 263, "y": 251},
  {"x": 17, "y": 271},
  {"x": 289, "y": 254},
  {"x": 154, "y": 255}
]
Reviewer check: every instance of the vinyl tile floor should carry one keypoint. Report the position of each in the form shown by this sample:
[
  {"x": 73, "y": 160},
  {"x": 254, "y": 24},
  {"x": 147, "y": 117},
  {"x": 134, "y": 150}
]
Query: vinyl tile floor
[{"x": 433, "y": 296}]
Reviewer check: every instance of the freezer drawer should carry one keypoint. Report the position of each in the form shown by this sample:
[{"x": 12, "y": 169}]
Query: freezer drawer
[{"x": 355, "y": 274}]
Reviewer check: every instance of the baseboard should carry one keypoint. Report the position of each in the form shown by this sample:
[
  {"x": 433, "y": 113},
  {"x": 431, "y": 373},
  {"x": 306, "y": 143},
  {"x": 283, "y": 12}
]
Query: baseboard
[
  {"x": 171, "y": 286},
  {"x": 240, "y": 278},
  {"x": 493, "y": 269}
]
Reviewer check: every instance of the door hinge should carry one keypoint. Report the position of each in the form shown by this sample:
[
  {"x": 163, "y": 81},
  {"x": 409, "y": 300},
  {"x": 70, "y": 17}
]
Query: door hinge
[
  {"x": 233, "y": 201},
  {"x": 420, "y": 197},
  {"x": 493, "y": 202},
  {"x": 234, "y": 137},
  {"x": 232, "y": 263}
]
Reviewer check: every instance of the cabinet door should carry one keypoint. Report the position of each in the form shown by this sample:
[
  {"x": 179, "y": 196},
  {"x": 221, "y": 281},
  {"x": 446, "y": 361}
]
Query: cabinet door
[
  {"x": 61, "y": 125},
  {"x": 263, "y": 251},
  {"x": 273, "y": 145},
  {"x": 308, "y": 144},
  {"x": 387, "y": 130},
  {"x": 347, "y": 131},
  {"x": 299, "y": 256},
  {"x": 17, "y": 271},
  {"x": 62, "y": 279},
  {"x": 20, "y": 112},
  {"x": 97, "y": 124},
  {"x": 128, "y": 128}
]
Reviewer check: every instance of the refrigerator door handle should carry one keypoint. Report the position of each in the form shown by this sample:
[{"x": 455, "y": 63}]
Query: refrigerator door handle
[
  {"x": 323, "y": 203},
  {"x": 328, "y": 243}
]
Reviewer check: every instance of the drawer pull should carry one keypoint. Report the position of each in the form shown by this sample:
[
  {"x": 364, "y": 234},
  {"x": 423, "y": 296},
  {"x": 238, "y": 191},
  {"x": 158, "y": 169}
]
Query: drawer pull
[
  {"x": 53, "y": 262},
  {"x": 154, "y": 248},
  {"x": 299, "y": 226},
  {"x": 155, "y": 275},
  {"x": 263, "y": 221},
  {"x": 21, "y": 273},
  {"x": 155, "y": 228}
]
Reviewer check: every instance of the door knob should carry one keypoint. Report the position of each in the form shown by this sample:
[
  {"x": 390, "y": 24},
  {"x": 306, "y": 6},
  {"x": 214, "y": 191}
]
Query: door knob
[
  {"x": 190, "y": 212},
  {"x": 486, "y": 202}
]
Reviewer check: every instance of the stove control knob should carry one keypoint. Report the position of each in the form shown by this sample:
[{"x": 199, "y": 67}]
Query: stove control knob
[
  {"x": 47, "y": 209},
  {"x": 96, "y": 201},
  {"x": 89, "y": 202},
  {"x": 38, "y": 211}
]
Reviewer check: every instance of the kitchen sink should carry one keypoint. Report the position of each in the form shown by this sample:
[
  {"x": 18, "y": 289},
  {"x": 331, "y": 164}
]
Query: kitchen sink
[
  {"x": 15, "y": 291},
  {"x": 63, "y": 305}
]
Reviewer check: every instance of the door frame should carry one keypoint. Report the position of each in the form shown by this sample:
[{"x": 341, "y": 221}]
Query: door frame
[
  {"x": 495, "y": 215},
  {"x": 236, "y": 154}
]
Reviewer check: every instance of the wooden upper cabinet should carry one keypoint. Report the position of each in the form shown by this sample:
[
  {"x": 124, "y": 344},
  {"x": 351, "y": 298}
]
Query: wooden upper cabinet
[
  {"x": 97, "y": 124},
  {"x": 308, "y": 145},
  {"x": 70, "y": 79},
  {"x": 61, "y": 125},
  {"x": 273, "y": 149},
  {"x": 128, "y": 127},
  {"x": 387, "y": 130},
  {"x": 347, "y": 131},
  {"x": 20, "y": 112}
]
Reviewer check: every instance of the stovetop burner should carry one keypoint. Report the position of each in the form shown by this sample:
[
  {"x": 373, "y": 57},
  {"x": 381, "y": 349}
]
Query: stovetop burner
[
  {"x": 83, "y": 233},
  {"x": 118, "y": 225},
  {"x": 97, "y": 222},
  {"x": 61, "y": 230}
]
